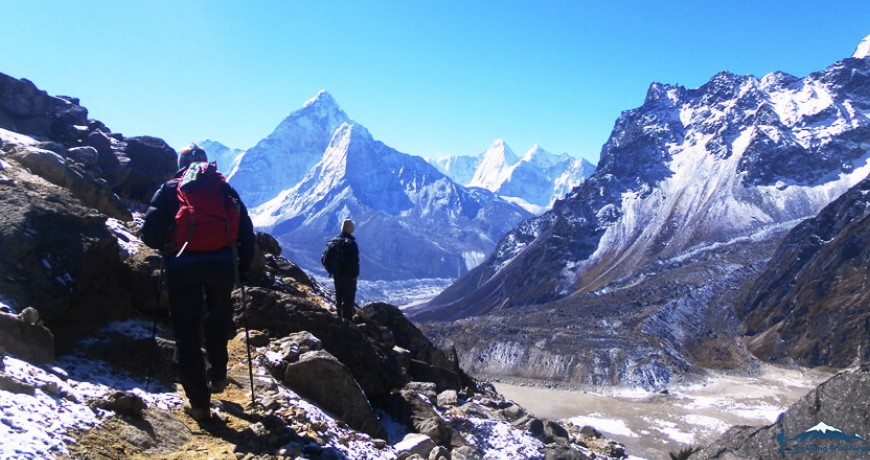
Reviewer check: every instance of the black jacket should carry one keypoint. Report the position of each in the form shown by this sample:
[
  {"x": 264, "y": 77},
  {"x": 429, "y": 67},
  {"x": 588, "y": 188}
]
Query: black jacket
[
  {"x": 348, "y": 266},
  {"x": 160, "y": 218}
]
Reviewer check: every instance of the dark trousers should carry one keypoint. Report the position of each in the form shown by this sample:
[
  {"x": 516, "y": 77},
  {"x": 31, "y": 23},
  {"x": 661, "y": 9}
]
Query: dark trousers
[
  {"x": 195, "y": 322},
  {"x": 345, "y": 296}
]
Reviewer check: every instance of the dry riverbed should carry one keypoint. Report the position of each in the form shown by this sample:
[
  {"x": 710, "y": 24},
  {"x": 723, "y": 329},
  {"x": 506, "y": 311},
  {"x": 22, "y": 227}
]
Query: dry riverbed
[{"x": 653, "y": 424}]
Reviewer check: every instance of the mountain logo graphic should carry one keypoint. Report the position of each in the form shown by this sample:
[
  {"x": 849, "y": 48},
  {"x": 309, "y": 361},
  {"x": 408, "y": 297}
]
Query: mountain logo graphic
[{"x": 822, "y": 438}]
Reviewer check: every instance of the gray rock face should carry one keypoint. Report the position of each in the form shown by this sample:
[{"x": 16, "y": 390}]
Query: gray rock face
[
  {"x": 811, "y": 305},
  {"x": 54, "y": 168},
  {"x": 57, "y": 254},
  {"x": 98, "y": 163},
  {"x": 374, "y": 369},
  {"x": 327, "y": 382},
  {"x": 152, "y": 161},
  {"x": 30, "y": 342},
  {"x": 808, "y": 427}
]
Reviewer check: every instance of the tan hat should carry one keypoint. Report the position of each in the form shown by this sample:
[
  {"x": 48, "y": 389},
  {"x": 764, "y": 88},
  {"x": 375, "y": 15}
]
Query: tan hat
[{"x": 347, "y": 226}]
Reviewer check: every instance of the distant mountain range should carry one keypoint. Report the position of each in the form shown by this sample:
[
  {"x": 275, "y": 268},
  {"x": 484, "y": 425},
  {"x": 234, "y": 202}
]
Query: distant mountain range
[
  {"x": 689, "y": 169},
  {"x": 644, "y": 266},
  {"x": 320, "y": 167},
  {"x": 534, "y": 181}
]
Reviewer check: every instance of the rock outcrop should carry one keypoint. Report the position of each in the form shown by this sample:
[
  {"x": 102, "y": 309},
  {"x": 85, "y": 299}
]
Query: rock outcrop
[
  {"x": 811, "y": 306},
  {"x": 829, "y": 422}
]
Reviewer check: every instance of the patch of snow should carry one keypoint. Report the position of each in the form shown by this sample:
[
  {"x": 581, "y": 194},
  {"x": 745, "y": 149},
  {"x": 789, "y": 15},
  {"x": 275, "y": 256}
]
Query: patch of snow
[
  {"x": 12, "y": 137},
  {"x": 602, "y": 423},
  {"x": 127, "y": 241},
  {"x": 35, "y": 426},
  {"x": 501, "y": 440},
  {"x": 531, "y": 207},
  {"x": 6, "y": 303},
  {"x": 473, "y": 258},
  {"x": 863, "y": 49},
  {"x": 712, "y": 423},
  {"x": 670, "y": 430}
]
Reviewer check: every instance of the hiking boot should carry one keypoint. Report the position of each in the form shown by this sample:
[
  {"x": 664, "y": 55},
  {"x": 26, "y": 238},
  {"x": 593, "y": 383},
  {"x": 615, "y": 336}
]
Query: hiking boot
[
  {"x": 198, "y": 414},
  {"x": 219, "y": 386}
]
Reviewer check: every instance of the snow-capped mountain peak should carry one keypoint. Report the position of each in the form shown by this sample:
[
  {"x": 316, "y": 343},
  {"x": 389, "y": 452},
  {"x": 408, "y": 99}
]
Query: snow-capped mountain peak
[
  {"x": 323, "y": 104},
  {"x": 402, "y": 205},
  {"x": 227, "y": 158},
  {"x": 863, "y": 49},
  {"x": 495, "y": 166},
  {"x": 280, "y": 160},
  {"x": 542, "y": 158}
]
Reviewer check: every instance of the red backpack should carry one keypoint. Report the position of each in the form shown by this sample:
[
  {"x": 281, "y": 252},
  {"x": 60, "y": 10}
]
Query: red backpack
[{"x": 208, "y": 217}]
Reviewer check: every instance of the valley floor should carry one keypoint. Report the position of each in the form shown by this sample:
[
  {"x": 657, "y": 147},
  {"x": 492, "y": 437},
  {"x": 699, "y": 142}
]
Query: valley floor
[{"x": 651, "y": 425}]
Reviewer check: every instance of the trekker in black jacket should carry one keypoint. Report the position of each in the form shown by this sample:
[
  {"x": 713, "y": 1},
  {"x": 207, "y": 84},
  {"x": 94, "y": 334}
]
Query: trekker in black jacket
[
  {"x": 200, "y": 263},
  {"x": 341, "y": 261}
]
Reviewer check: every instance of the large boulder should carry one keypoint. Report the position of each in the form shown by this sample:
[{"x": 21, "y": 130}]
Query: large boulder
[
  {"x": 25, "y": 108},
  {"x": 282, "y": 314},
  {"x": 325, "y": 381},
  {"x": 152, "y": 161},
  {"x": 54, "y": 168},
  {"x": 415, "y": 411},
  {"x": 831, "y": 421},
  {"x": 59, "y": 257},
  {"x": 27, "y": 340},
  {"x": 429, "y": 363}
]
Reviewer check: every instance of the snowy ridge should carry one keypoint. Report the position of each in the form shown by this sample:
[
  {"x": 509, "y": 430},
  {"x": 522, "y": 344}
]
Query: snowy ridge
[
  {"x": 280, "y": 160},
  {"x": 534, "y": 181},
  {"x": 863, "y": 49},
  {"x": 495, "y": 166},
  {"x": 227, "y": 158},
  {"x": 691, "y": 168},
  {"x": 460, "y": 168}
]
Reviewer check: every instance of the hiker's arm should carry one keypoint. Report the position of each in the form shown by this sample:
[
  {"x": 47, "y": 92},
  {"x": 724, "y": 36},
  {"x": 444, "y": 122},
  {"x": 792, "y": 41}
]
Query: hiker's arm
[
  {"x": 158, "y": 219},
  {"x": 247, "y": 238},
  {"x": 354, "y": 257}
]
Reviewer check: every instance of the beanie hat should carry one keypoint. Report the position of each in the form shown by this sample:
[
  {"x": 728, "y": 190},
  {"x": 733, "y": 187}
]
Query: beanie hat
[
  {"x": 347, "y": 226},
  {"x": 191, "y": 154}
]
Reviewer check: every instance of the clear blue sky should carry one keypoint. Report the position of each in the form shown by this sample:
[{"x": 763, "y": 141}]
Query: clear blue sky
[{"x": 428, "y": 78}]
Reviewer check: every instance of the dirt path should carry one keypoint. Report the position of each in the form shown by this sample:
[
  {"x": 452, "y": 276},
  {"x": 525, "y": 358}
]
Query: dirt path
[{"x": 173, "y": 434}]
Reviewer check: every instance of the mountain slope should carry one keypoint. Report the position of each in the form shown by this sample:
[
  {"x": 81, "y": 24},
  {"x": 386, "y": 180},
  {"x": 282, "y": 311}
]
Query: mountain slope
[
  {"x": 811, "y": 304},
  {"x": 460, "y": 168},
  {"x": 281, "y": 159},
  {"x": 688, "y": 169},
  {"x": 227, "y": 158},
  {"x": 411, "y": 220},
  {"x": 494, "y": 167}
]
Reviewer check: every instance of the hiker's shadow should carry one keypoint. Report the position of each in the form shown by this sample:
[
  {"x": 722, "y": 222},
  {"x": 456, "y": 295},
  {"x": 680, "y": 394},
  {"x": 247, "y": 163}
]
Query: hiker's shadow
[{"x": 264, "y": 433}]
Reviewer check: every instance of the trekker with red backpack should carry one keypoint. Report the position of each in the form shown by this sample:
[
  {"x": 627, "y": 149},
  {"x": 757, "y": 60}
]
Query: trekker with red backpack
[{"x": 199, "y": 222}]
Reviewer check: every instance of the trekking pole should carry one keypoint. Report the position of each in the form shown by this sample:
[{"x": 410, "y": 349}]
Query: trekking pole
[
  {"x": 244, "y": 319},
  {"x": 160, "y": 282},
  {"x": 248, "y": 345}
]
